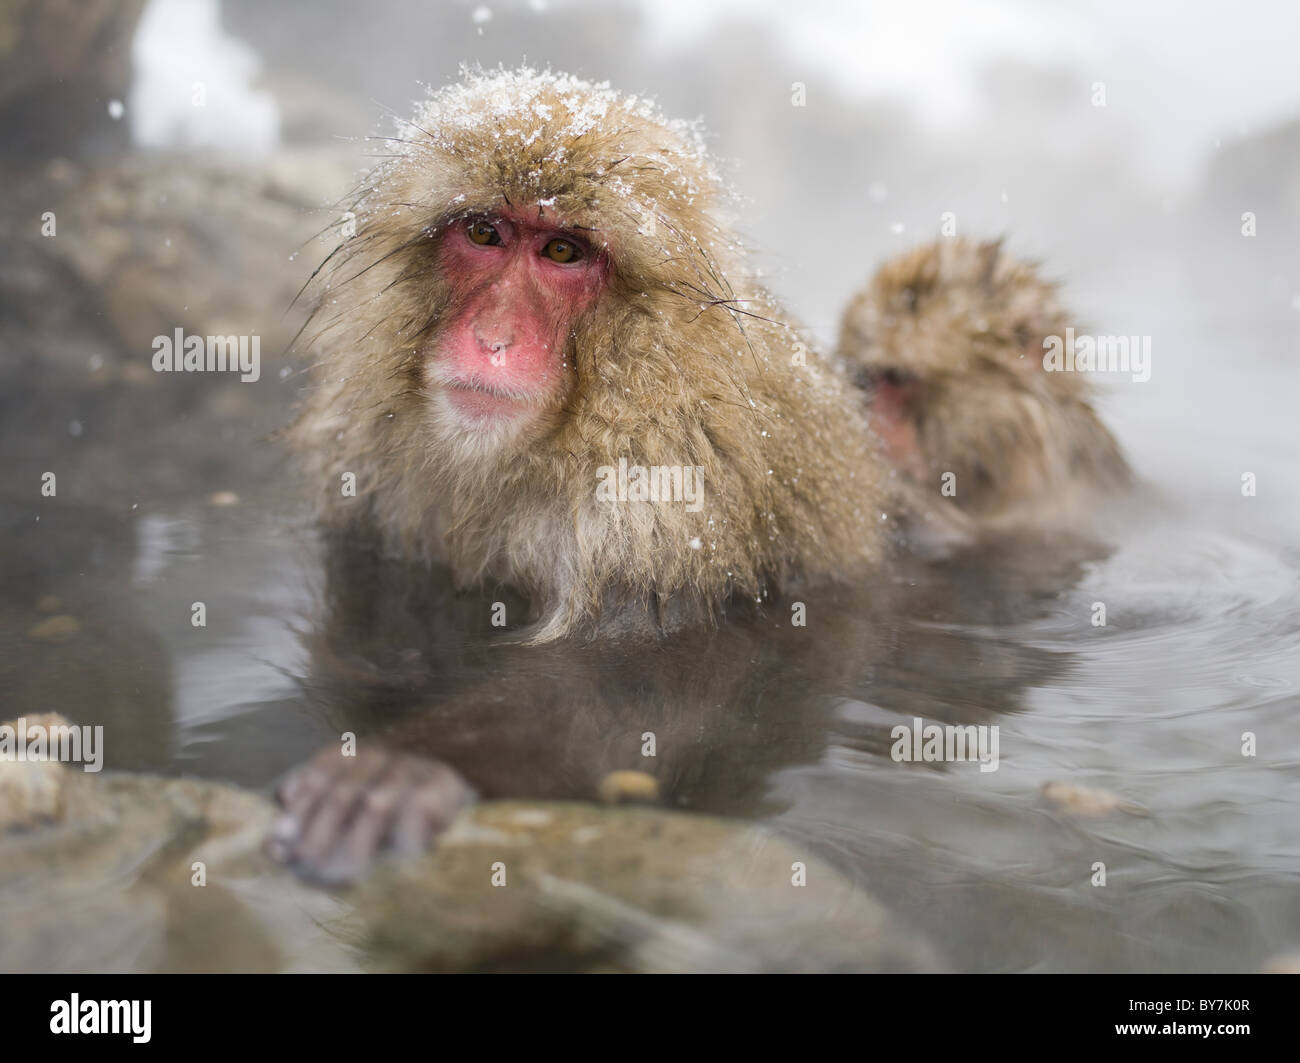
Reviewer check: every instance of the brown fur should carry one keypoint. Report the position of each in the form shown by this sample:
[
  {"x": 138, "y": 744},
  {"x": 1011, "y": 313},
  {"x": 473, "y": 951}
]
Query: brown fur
[
  {"x": 964, "y": 323},
  {"x": 684, "y": 360}
]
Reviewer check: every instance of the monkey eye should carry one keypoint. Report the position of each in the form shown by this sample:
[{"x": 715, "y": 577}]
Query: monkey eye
[
  {"x": 562, "y": 251},
  {"x": 482, "y": 233},
  {"x": 875, "y": 378}
]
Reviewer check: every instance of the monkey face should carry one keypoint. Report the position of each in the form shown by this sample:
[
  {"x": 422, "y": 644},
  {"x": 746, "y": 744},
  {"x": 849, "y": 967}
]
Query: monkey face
[{"x": 519, "y": 286}]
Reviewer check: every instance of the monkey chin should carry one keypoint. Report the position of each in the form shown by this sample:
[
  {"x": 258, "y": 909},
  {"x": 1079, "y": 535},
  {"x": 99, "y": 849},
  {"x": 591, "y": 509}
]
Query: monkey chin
[
  {"x": 473, "y": 430},
  {"x": 478, "y": 421}
]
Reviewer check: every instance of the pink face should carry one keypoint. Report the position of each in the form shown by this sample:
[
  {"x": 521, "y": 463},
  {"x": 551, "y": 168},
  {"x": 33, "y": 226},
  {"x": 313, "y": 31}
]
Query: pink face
[
  {"x": 893, "y": 418},
  {"x": 520, "y": 286}
]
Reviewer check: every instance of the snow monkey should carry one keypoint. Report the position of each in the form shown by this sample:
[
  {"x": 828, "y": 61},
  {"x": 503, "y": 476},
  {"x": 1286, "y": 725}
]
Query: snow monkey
[
  {"x": 948, "y": 343},
  {"x": 546, "y": 360}
]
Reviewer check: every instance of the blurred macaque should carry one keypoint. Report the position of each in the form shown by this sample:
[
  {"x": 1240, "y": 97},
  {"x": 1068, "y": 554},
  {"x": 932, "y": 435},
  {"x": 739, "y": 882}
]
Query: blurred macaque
[{"x": 947, "y": 341}]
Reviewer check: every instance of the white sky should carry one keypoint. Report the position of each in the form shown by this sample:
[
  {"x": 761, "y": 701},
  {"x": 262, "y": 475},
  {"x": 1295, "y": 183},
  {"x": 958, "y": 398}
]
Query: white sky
[
  {"x": 1184, "y": 73},
  {"x": 1189, "y": 71}
]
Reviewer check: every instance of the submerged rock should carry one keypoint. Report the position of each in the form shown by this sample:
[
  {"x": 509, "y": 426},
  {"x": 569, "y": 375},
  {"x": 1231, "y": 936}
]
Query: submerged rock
[
  {"x": 1086, "y": 803},
  {"x": 58, "y": 628},
  {"x": 515, "y": 886},
  {"x": 140, "y": 873},
  {"x": 109, "y": 882}
]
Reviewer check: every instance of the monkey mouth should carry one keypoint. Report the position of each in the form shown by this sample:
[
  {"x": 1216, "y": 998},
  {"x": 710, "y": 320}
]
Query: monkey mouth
[{"x": 477, "y": 402}]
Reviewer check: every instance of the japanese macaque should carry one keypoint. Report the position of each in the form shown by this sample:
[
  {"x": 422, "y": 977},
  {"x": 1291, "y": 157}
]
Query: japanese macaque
[
  {"x": 546, "y": 365},
  {"x": 948, "y": 341},
  {"x": 546, "y": 361}
]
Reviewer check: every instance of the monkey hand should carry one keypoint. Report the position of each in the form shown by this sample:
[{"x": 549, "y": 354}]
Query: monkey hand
[{"x": 342, "y": 812}]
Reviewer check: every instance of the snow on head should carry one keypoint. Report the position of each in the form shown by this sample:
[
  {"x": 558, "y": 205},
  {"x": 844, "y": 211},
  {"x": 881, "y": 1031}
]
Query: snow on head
[
  {"x": 515, "y": 101},
  {"x": 575, "y": 150}
]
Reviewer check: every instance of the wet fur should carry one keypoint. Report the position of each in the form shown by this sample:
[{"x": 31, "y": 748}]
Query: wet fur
[{"x": 684, "y": 360}]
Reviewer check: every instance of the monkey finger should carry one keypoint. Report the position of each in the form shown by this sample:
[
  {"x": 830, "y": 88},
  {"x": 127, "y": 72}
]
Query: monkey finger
[
  {"x": 307, "y": 784},
  {"x": 325, "y": 805},
  {"x": 402, "y": 810},
  {"x": 359, "y": 839},
  {"x": 437, "y": 794},
  {"x": 299, "y": 794},
  {"x": 342, "y": 812},
  {"x": 304, "y": 786}
]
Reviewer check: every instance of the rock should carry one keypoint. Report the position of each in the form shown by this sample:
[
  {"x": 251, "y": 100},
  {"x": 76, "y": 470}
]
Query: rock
[
  {"x": 58, "y": 628},
  {"x": 31, "y": 792},
  {"x": 110, "y": 887},
  {"x": 112, "y": 884},
  {"x": 144, "y": 247},
  {"x": 60, "y": 62},
  {"x": 620, "y": 787},
  {"x": 1086, "y": 803},
  {"x": 588, "y": 888}
]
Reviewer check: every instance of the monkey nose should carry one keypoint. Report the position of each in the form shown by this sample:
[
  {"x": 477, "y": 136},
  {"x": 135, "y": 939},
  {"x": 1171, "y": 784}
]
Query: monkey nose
[{"x": 494, "y": 344}]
